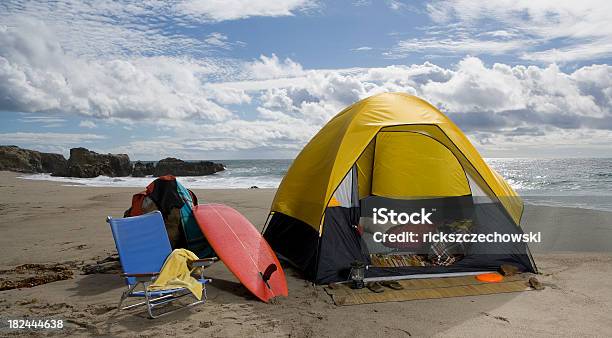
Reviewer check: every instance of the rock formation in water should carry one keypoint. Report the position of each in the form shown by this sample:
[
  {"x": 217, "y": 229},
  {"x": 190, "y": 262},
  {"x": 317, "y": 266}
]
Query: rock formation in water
[
  {"x": 13, "y": 158},
  {"x": 143, "y": 169},
  {"x": 176, "y": 167},
  {"x": 88, "y": 164}
]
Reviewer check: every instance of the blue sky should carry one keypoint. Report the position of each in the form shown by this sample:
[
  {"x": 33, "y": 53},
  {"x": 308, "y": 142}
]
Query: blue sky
[{"x": 256, "y": 79}]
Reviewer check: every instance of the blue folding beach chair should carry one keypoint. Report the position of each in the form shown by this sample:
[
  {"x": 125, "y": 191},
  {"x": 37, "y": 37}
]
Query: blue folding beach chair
[{"x": 143, "y": 246}]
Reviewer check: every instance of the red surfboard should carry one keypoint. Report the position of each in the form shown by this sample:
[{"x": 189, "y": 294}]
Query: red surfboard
[{"x": 242, "y": 249}]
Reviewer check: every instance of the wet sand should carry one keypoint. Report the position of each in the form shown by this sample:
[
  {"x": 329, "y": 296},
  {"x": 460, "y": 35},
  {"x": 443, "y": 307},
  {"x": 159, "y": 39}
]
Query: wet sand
[{"x": 47, "y": 223}]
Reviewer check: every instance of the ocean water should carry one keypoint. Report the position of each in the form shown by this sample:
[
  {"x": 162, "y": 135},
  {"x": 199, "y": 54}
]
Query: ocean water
[
  {"x": 577, "y": 182},
  {"x": 237, "y": 174},
  {"x": 561, "y": 177},
  {"x": 574, "y": 182}
]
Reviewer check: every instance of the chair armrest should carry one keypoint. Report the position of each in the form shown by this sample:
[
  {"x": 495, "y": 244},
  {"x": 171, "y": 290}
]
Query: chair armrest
[
  {"x": 144, "y": 274},
  {"x": 204, "y": 262},
  {"x": 141, "y": 277},
  {"x": 210, "y": 259}
]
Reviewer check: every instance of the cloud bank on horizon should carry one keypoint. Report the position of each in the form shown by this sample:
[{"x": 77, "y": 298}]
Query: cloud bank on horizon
[{"x": 250, "y": 79}]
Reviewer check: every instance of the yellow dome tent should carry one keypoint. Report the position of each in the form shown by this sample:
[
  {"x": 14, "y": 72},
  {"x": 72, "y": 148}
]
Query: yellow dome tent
[{"x": 388, "y": 147}]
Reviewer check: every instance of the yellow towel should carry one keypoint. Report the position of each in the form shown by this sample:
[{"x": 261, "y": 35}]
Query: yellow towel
[{"x": 176, "y": 274}]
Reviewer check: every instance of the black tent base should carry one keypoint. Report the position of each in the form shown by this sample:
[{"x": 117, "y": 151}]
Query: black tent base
[{"x": 326, "y": 258}]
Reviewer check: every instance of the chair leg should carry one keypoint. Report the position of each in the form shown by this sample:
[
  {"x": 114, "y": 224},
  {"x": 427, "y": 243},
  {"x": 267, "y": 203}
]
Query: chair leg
[
  {"x": 151, "y": 302},
  {"x": 151, "y": 305},
  {"x": 125, "y": 295}
]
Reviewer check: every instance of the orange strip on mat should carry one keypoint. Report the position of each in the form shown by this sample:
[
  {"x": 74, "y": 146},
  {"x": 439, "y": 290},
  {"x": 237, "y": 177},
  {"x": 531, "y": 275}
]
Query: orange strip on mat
[{"x": 490, "y": 277}]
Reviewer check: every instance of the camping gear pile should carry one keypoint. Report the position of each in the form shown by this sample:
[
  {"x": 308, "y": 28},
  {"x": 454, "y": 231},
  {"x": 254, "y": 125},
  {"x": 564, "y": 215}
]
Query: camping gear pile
[
  {"x": 175, "y": 202},
  {"x": 398, "y": 152}
]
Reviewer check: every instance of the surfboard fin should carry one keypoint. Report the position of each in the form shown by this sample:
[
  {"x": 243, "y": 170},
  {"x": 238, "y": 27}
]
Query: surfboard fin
[{"x": 268, "y": 273}]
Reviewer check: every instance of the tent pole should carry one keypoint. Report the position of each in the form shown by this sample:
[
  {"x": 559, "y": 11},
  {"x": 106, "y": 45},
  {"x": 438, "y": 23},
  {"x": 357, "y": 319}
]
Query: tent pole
[
  {"x": 266, "y": 223},
  {"x": 423, "y": 276}
]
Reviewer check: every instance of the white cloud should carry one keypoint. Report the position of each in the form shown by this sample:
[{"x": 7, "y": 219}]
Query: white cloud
[
  {"x": 227, "y": 96},
  {"x": 544, "y": 31},
  {"x": 454, "y": 46},
  {"x": 549, "y": 19},
  {"x": 360, "y": 3},
  {"x": 271, "y": 67},
  {"x": 48, "y": 138},
  {"x": 474, "y": 87},
  {"x": 274, "y": 132},
  {"x": 103, "y": 28},
  {"x": 361, "y": 49},
  {"x": 500, "y": 34},
  {"x": 51, "y": 142},
  {"x": 585, "y": 51},
  {"x": 551, "y": 142},
  {"x": 117, "y": 28},
  {"x": 222, "y": 41},
  {"x": 41, "y": 119},
  {"x": 87, "y": 124},
  {"x": 395, "y": 5},
  {"x": 217, "y": 39},
  {"x": 498, "y": 103},
  {"x": 36, "y": 74},
  {"x": 221, "y": 10}
]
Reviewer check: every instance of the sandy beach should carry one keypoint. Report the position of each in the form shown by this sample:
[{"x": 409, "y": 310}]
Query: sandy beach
[{"x": 48, "y": 223}]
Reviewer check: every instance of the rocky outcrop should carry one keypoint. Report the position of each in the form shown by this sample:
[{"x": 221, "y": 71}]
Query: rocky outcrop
[
  {"x": 18, "y": 159},
  {"x": 143, "y": 169},
  {"x": 86, "y": 163},
  {"x": 176, "y": 167},
  {"x": 56, "y": 164},
  {"x": 14, "y": 158}
]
